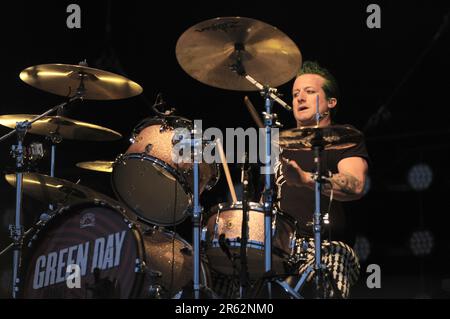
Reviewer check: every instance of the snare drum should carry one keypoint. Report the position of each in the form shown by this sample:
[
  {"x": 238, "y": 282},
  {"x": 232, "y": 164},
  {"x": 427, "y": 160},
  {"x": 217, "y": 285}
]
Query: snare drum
[
  {"x": 147, "y": 179},
  {"x": 226, "y": 219},
  {"x": 107, "y": 255}
]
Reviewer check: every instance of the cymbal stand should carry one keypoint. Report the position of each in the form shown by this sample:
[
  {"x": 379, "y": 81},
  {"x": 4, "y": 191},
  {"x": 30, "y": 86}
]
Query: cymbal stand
[
  {"x": 55, "y": 139},
  {"x": 16, "y": 230},
  {"x": 321, "y": 273},
  {"x": 196, "y": 144}
]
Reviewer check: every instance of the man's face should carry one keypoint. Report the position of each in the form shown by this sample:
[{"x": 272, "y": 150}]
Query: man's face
[{"x": 305, "y": 90}]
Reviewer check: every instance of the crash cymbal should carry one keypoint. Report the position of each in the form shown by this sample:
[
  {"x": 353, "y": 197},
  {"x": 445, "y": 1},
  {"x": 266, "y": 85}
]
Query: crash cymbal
[
  {"x": 99, "y": 166},
  {"x": 330, "y": 137},
  {"x": 53, "y": 190},
  {"x": 65, "y": 80},
  {"x": 207, "y": 51},
  {"x": 62, "y": 126}
]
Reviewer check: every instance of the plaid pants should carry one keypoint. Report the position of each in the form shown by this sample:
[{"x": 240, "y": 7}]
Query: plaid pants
[
  {"x": 339, "y": 259},
  {"x": 341, "y": 262}
]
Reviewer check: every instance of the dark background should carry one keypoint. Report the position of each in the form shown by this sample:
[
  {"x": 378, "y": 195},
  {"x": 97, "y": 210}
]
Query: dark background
[{"x": 403, "y": 66}]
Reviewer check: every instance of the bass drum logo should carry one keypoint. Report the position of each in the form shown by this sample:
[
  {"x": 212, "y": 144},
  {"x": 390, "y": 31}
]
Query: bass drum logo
[{"x": 87, "y": 220}]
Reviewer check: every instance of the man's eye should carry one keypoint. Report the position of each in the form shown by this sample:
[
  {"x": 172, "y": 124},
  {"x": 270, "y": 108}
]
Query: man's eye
[
  {"x": 310, "y": 92},
  {"x": 295, "y": 94}
]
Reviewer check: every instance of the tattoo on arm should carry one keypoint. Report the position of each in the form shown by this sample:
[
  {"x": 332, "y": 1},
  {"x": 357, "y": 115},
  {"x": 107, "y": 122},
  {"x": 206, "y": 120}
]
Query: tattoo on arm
[{"x": 345, "y": 183}]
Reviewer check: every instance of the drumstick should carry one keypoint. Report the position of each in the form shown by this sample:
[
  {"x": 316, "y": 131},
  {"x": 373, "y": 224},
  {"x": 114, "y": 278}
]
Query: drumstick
[
  {"x": 226, "y": 170},
  {"x": 253, "y": 112}
]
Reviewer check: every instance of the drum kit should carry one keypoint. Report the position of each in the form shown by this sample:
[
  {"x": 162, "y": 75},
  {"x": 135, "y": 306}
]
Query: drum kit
[{"x": 122, "y": 247}]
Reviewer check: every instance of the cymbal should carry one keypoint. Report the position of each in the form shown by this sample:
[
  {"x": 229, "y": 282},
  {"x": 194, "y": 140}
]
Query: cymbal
[
  {"x": 99, "y": 166},
  {"x": 65, "y": 79},
  {"x": 62, "y": 126},
  {"x": 332, "y": 137},
  {"x": 207, "y": 51},
  {"x": 54, "y": 190}
]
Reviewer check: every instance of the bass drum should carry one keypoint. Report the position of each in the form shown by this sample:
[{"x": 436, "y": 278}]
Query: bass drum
[{"x": 92, "y": 250}]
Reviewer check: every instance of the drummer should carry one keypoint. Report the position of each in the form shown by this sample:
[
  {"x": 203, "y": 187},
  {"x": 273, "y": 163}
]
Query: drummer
[{"x": 295, "y": 186}]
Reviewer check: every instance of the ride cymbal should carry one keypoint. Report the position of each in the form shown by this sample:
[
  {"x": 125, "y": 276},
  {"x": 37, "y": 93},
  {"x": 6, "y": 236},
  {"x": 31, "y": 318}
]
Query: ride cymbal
[{"x": 210, "y": 50}]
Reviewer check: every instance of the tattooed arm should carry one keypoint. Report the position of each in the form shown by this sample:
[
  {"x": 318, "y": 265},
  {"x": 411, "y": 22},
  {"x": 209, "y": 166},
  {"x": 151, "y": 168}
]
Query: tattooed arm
[{"x": 347, "y": 184}]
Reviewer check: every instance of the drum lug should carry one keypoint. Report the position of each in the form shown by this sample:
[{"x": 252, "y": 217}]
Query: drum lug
[
  {"x": 140, "y": 266},
  {"x": 177, "y": 138},
  {"x": 119, "y": 159},
  {"x": 148, "y": 148},
  {"x": 203, "y": 234},
  {"x": 155, "y": 274},
  {"x": 122, "y": 210},
  {"x": 274, "y": 224},
  {"x": 99, "y": 202},
  {"x": 155, "y": 291},
  {"x": 135, "y": 138},
  {"x": 165, "y": 127}
]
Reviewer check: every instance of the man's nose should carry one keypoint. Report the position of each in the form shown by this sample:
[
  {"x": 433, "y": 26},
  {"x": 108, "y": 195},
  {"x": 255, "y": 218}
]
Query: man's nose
[{"x": 301, "y": 97}]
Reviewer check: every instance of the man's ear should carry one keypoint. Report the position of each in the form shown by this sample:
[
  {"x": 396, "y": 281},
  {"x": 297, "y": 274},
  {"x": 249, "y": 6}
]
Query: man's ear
[{"x": 332, "y": 102}]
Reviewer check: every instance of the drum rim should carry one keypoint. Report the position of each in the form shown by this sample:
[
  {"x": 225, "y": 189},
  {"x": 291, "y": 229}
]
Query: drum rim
[
  {"x": 237, "y": 205},
  {"x": 173, "y": 121},
  {"x": 38, "y": 235},
  {"x": 224, "y": 206},
  {"x": 178, "y": 177}
]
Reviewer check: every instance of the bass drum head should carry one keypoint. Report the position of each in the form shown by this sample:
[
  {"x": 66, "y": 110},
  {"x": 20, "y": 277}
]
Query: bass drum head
[
  {"x": 99, "y": 240},
  {"x": 151, "y": 189}
]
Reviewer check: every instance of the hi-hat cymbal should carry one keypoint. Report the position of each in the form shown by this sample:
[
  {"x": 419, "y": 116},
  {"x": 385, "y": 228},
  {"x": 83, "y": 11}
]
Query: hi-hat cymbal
[
  {"x": 64, "y": 127},
  {"x": 65, "y": 80},
  {"x": 207, "y": 51},
  {"x": 98, "y": 166},
  {"x": 54, "y": 190},
  {"x": 330, "y": 137}
]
